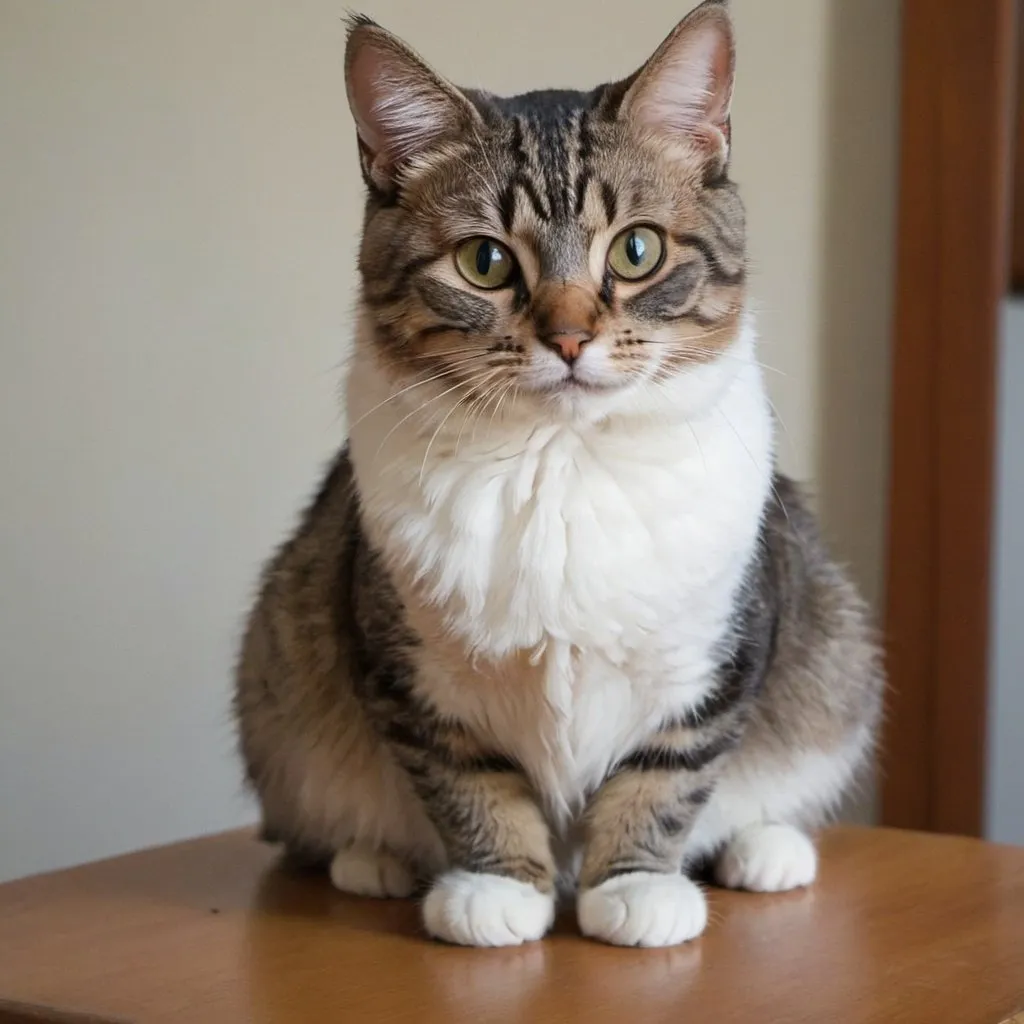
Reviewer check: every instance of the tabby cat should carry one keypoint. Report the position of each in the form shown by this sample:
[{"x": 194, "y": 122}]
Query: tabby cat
[{"x": 553, "y": 621}]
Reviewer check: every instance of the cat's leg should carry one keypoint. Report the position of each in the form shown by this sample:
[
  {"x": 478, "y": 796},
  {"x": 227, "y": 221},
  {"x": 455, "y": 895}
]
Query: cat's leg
[
  {"x": 364, "y": 871},
  {"x": 767, "y": 857},
  {"x": 496, "y": 885},
  {"x": 811, "y": 722},
  {"x": 499, "y": 886},
  {"x": 767, "y": 801},
  {"x": 632, "y": 888},
  {"x": 500, "y": 890}
]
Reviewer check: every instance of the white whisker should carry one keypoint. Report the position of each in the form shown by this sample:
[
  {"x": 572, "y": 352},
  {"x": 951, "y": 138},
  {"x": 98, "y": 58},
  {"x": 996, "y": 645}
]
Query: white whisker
[
  {"x": 490, "y": 166},
  {"x": 440, "y": 426},
  {"x": 490, "y": 188},
  {"x": 493, "y": 393},
  {"x": 778, "y": 497},
  {"x": 398, "y": 394},
  {"x": 501, "y": 399},
  {"x": 466, "y": 419},
  {"x": 419, "y": 409}
]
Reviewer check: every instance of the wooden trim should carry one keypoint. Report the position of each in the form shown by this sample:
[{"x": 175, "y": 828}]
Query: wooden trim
[
  {"x": 951, "y": 272},
  {"x": 1017, "y": 248}
]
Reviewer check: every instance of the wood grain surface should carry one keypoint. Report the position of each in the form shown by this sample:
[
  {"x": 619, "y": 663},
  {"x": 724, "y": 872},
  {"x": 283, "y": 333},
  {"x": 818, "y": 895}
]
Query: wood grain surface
[{"x": 901, "y": 927}]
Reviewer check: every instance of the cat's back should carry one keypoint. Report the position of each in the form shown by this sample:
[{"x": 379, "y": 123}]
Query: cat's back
[
  {"x": 308, "y": 573},
  {"x": 295, "y": 639}
]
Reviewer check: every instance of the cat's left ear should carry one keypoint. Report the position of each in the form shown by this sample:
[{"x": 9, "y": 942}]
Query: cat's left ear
[{"x": 686, "y": 88}]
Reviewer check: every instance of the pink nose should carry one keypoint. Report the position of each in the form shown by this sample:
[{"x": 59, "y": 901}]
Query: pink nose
[
  {"x": 568, "y": 344},
  {"x": 566, "y": 316}
]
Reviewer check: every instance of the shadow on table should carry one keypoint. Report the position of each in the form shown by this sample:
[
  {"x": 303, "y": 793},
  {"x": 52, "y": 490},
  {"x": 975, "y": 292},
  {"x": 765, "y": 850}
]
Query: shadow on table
[{"x": 308, "y": 947}]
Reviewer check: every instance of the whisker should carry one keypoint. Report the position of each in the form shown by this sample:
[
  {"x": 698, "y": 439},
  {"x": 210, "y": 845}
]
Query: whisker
[
  {"x": 488, "y": 186},
  {"x": 433, "y": 437},
  {"x": 446, "y": 352},
  {"x": 510, "y": 387},
  {"x": 487, "y": 160},
  {"x": 501, "y": 399},
  {"x": 467, "y": 418},
  {"x": 778, "y": 497},
  {"x": 494, "y": 393},
  {"x": 450, "y": 364},
  {"x": 475, "y": 412},
  {"x": 689, "y": 351},
  {"x": 782, "y": 422},
  {"x": 696, "y": 441},
  {"x": 398, "y": 394},
  {"x": 417, "y": 410}
]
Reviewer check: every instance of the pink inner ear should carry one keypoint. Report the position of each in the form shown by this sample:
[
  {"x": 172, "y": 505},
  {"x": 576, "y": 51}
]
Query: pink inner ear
[
  {"x": 363, "y": 92},
  {"x": 400, "y": 107},
  {"x": 688, "y": 86},
  {"x": 721, "y": 75}
]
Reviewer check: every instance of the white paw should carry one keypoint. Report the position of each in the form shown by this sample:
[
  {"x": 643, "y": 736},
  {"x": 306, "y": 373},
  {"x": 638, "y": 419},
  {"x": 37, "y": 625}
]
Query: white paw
[
  {"x": 643, "y": 909},
  {"x": 364, "y": 872},
  {"x": 768, "y": 858},
  {"x": 486, "y": 910}
]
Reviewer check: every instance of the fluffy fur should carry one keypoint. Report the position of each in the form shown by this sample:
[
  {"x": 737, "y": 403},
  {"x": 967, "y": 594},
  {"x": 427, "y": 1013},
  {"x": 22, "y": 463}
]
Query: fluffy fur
[{"x": 553, "y": 616}]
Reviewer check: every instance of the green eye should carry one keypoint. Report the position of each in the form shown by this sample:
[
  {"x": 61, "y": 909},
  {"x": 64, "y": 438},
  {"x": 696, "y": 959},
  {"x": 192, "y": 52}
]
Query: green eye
[
  {"x": 636, "y": 253},
  {"x": 485, "y": 263}
]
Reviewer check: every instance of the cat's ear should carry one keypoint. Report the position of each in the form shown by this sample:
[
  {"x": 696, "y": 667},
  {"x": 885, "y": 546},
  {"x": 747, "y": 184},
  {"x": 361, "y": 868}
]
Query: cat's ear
[
  {"x": 401, "y": 107},
  {"x": 686, "y": 87}
]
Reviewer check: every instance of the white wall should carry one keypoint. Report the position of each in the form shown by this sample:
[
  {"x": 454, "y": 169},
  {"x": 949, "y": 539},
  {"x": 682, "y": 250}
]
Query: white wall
[
  {"x": 179, "y": 200},
  {"x": 1005, "y": 791}
]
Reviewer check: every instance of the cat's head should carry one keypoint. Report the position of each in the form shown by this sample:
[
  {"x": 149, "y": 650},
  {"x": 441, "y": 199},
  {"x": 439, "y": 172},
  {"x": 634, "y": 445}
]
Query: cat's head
[{"x": 558, "y": 247}]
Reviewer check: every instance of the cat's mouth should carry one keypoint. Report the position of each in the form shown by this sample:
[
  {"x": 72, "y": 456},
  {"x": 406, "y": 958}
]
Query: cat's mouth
[{"x": 573, "y": 385}]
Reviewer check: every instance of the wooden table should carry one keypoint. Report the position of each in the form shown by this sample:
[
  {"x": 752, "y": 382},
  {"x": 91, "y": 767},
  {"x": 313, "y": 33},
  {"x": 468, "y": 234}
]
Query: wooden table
[{"x": 900, "y": 927}]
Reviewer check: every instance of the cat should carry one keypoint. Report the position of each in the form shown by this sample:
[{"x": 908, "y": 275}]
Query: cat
[{"x": 554, "y": 621}]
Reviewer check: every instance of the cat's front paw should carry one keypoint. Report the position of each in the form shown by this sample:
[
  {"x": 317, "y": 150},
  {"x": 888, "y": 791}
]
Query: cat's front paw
[
  {"x": 643, "y": 909},
  {"x": 486, "y": 910},
  {"x": 364, "y": 872},
  {"x": 768, "y": 858}
]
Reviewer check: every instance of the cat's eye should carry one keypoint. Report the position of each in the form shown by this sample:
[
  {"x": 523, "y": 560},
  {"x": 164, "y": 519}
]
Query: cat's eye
[
  {"x": 636, "y": 253},
  {"x": 485, "y": 263}
]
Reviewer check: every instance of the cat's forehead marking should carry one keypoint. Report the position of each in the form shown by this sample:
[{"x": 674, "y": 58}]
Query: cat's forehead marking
[
  {"x": 548, "y": 107},
  {"x": 550, "y": 151}
]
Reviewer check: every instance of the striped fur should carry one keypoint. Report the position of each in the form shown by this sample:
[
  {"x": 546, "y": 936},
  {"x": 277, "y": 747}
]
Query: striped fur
[{"x": 553, "y": 616}]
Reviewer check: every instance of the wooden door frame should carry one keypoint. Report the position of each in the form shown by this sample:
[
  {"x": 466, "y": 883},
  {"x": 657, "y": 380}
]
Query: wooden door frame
[{"x": 952, "y": 271}]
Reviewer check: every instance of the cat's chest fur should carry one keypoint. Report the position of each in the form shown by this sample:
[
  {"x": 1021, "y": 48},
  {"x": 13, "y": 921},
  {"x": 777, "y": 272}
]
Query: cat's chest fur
[{"x": 574, "y": 584}]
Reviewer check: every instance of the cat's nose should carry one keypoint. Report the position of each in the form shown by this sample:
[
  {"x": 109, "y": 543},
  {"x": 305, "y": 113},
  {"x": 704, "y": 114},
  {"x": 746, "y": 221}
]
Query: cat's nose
[
  {"x": 568, "y": 344},
  {"x": 566, "y": 319}
]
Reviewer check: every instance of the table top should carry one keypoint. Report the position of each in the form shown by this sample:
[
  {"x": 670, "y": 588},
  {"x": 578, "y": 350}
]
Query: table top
[{"x": 899, "y": 927}]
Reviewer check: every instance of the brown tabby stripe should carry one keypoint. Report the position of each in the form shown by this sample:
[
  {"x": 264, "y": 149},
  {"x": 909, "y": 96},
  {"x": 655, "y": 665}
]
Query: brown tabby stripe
[
  {"x": 399, "y": 283},
  {"x": 609, "y": 201},
  {"x": 667, "y": 299},
  {"x": 584, "y": 151},
  {"x": 478, "y": 798},
  {"x": 489, "y": 822},
  {"x": 639, "y": 821},
  {"x": 463, "y": 310},
  {"x": 522, "y": 171},
  {"x": 546, "y": 145},
  {"x": 658, "y": 757},
  {"x": 718, "y": 271},
  {"x": 640, "y": 818}
]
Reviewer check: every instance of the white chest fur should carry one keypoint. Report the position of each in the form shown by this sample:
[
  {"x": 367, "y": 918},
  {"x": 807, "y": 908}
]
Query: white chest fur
[{"x": 586, "y": 570}]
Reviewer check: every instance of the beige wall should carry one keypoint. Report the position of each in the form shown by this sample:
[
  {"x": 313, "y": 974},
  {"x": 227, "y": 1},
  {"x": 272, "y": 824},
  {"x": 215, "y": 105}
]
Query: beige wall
[{"x": 178, "y": 205}]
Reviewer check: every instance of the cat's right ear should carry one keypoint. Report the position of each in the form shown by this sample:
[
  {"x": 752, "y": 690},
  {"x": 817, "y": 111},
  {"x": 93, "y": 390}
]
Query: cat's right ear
[{"x": 401, "y": 107}]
